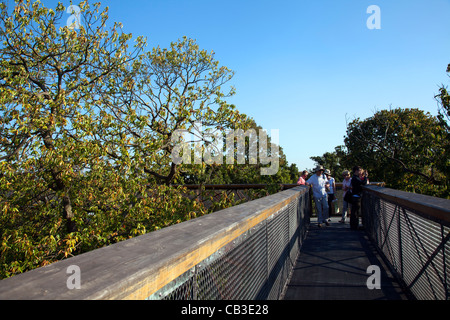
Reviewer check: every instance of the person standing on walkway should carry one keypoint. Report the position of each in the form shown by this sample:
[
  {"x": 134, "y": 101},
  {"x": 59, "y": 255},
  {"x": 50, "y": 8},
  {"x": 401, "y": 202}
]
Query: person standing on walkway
[
  {"x": 359, "y": 180},
  {"x": 330, "y": 193},
  {"x": 302, "y": 180},
  {"x": 319, "y": 184},
  {"x": 346, "y": 185}
]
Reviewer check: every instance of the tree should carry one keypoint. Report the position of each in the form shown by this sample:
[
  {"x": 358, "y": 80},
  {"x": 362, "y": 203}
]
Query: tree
[
  {"x": 444, "y": 104},
  {"x": 245, "y": 167},
  {"x": 55, "y": 177},
  {"x": 87, "y": 121},
  {"x": 333, "y": 161},
  {"x": 444, "y": 117},
  {"x": 164, "y": 91},
  {"x": 402, "y": 147},
  {"x": 49, "y": 81}
]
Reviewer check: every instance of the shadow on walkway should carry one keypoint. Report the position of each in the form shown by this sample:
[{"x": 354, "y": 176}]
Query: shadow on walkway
[{"x": 333, "y": 266}]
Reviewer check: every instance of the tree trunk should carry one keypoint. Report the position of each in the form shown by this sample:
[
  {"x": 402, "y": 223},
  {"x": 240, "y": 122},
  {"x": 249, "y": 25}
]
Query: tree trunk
[
  {"x": 59, "y": 185},
  {"x": 68, "y": 214}
]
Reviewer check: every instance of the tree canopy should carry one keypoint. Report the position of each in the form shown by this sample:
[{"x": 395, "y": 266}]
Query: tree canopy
[
  {"x": 87, "y": 118},
  {"x": 333, "y": 161},
  {"x": 403, "y": 147},
  {"x": 408, "y": 149}
]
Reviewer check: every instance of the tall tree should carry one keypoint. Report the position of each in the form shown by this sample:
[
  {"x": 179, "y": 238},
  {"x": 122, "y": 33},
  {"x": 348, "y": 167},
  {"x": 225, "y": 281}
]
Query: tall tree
[
  {"x": 49, "y": 82},
  {"x": 403, "y": 147},
  {"x": 333, "y": 161},
  {"x": 53, "y": 172},
  {"x": 87, "y": 121},
  {"x": 165, "y": 91},
  {"x": 443, "y": 99}
]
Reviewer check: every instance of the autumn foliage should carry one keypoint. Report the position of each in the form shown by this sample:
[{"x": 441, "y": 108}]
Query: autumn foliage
[{"x": 86, "y": 120}]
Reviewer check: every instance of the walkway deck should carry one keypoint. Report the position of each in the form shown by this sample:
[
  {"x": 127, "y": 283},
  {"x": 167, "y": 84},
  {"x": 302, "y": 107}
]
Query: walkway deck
[{"x": 332, "y": 266}]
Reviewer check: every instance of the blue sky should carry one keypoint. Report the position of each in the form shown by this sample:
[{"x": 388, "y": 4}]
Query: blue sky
[{"x": 308, "y": 67}]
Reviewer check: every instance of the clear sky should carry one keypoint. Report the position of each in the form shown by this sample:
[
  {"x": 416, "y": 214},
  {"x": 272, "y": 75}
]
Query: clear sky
[{"x": 308, "y": 67}]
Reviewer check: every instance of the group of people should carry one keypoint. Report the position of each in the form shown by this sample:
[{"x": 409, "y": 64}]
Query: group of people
[{"x": 324, "y": 186}]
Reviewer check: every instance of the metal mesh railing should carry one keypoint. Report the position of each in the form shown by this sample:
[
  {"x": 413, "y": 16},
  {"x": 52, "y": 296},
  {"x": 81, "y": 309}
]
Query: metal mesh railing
[
  {"x": 413, "y": 237},
  {"x": 256, "y": 265},
  {"x": 247, "y": 252}
]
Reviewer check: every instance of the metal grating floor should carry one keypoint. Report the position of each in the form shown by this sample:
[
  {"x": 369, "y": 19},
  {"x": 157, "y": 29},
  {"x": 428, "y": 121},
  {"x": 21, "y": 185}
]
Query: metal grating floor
[{"x": 332, "y": 266}]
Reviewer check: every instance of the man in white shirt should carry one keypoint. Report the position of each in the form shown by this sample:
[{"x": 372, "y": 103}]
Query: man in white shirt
[{"x": 319, "y": 183}]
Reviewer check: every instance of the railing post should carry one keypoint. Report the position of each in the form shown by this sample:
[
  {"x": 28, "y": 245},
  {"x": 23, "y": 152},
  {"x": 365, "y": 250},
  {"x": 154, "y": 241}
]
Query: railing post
[
  {"x": 399, "y": 233},
  {"x": 195, "y": 284},
  {"x": 444, "y": 263},
  {"x": 266, "y": 227}
]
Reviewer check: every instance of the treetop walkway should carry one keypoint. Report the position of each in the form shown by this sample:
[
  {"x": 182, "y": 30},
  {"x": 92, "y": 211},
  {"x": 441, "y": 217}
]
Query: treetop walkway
[
  {"x": 334, "y": 264},
  {"x": 266, "y": 249}
]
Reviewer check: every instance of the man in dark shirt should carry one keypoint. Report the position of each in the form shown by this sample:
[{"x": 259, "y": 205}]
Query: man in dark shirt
[{"x": 359, "y": 179}]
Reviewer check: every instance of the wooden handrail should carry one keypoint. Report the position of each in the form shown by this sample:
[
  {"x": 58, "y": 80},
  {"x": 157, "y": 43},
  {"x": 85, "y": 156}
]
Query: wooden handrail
[
  {"x": 137, "y": 268},
  {"x": 283, "y": 186},
  {"x": 432, "y": 207}
]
